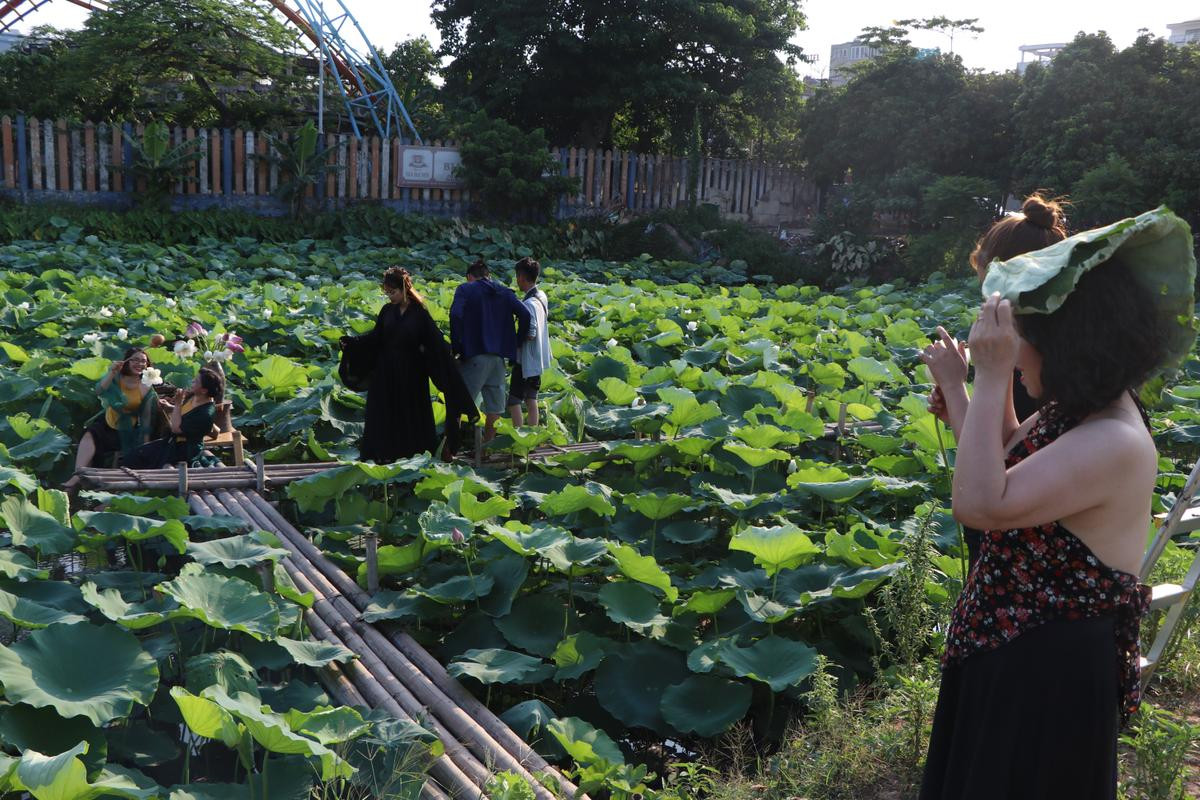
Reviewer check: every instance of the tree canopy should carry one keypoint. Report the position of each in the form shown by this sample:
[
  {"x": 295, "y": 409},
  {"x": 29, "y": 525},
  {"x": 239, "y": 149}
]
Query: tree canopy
[{"x": 589, "y": 71}]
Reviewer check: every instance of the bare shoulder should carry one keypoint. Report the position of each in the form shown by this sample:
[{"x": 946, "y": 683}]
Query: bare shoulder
[{"x": 1116, "y": 434}]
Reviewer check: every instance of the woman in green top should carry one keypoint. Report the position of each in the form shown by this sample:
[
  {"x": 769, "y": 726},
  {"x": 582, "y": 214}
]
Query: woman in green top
[
  {"x": 129, "y": 405},
  {"x": 190, "y": 416}
]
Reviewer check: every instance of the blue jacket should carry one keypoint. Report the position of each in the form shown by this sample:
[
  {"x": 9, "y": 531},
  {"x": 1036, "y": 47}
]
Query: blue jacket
[{"x": 481, "y": 320}]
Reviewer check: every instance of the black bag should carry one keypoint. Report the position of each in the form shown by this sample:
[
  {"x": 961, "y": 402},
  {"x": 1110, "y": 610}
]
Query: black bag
[{"x": 357, "y": 364}]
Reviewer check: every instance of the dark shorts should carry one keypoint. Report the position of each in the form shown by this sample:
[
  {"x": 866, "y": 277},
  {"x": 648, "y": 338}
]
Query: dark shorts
[
  {"x": 107, "y": 440},
  {"x": 522, "y": 388}
]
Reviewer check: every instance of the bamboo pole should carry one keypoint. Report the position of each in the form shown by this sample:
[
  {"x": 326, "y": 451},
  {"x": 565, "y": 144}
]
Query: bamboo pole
[
  {"x": 341, "y": 583},
  {"x": 417, "y": 686},
  {"x": 363, "y": 675}
]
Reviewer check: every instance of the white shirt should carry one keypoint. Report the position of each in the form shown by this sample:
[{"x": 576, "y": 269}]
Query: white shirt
[{"x": 533, "y": 354}]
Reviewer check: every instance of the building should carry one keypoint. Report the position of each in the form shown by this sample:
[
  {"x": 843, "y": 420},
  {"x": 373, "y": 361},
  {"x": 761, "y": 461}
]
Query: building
[
  {"x": 1184, "y": 32},
  {"x": 9, "y": 40},
  {"x": 843, "y": 55},
  {"x": 1039, "y": 54}
]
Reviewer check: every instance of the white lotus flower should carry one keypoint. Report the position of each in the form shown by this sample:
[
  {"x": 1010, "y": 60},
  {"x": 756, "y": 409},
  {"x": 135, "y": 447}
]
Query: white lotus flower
[
  {"x": 611, "y": 343},
  {"x": 151, "y": 377},
  {"x": 208, "y": 355},
  {"x": 171, "y": 302},
  {"x": 232, "y": 318},
  {"x": 222, "y": 355},
  {"x": 91, "y": 338},
  {"x": 105, "y": 311},
  {"x": 185, "y": 348},
  {"x": 792, "y": 467},
  {"x": 23, "y": 306},
  {"x": 122, "y": 333},
  {"x": 638, "y": 402},
  {"x": 266, "y": 312},
  {"x": 691, "y": 326},
  {"x": 633, "y": 306},
  {"x": 121, "y": 310}
]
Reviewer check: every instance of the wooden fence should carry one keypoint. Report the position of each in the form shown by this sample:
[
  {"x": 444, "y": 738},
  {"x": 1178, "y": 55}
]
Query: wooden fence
[{"x": 45, "y": 159}]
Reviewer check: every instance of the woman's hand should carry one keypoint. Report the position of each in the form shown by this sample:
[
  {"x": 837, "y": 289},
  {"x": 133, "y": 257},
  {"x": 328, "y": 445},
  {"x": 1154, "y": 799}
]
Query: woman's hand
[
  {"x": 946, "y": 359},
  {"x": 937, "y": 405},
  {"x": 116, "y": 367},
  {"x": 994, "y": 341}
]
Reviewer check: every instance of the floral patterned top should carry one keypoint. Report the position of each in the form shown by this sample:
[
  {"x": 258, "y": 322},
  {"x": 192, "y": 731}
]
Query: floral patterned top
[{"x": 1028, "y": 576}]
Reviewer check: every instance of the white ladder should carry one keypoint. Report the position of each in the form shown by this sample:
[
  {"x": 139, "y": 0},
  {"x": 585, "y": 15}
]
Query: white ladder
[{"x": 1183, "y": 517}]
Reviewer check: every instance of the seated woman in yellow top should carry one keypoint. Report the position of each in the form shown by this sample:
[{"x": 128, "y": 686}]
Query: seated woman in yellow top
[
  {"x": 129, "y": 407},
  {"x": 190, "y": 416}
]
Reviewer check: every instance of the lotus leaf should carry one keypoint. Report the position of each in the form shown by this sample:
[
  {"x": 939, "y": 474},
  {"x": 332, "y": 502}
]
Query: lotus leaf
[
  {"x": 705, "y": 705},
  {"x": 631, "y": 684},
  {"x": 44, "y": 730},
  {"x": 643, "y": 569},
  {"x": 227, "y": 603},
  {"x": 279, "y": 376},
  {"x": 328, "y": 725},
  {"x": 773, "y": 660},
  {"x": 79, "y": 670},
  {"x": 571, "y": 499},
  {"x": 458, "y": 588},
  {"x": 493, "y": 665},
  {"x": 584, "y": 743},
  {"x": 245, "y": 550},
  {"x": 754, "y": 456},
  {"x": 631, "y": 604},
  {"x": 775, "y": 548},
  {"x": 579, "y": 653},
  {"x": 229, "y": 670},
  {"x": 658, "y": 505},
  {"x": 272, "y": 731},
  {"x": 537, "y": 623},
  {"x": 508, "y": 574},
  {"x": 136, "y": 529},
  {"x": 31, "y": 527},
  {"x": 26, "y": 613}
]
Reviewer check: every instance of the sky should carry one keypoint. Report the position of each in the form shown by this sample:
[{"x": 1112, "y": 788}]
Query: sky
[{"x": 1007, "y": 26}]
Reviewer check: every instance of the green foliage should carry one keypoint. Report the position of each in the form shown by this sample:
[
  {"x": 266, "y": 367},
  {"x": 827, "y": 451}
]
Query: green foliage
[
  {"x": 593, "y": 73},
  {"x": 301, "y": 161},
  {"x": 138, "y": 60},
  {"x": 1161, "y": 744},
  {"x": 159, "y": 164},
  {"x": 512, "y": 171}
]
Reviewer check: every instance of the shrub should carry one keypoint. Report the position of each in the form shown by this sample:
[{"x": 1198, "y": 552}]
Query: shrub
[{"x": 513, "y": 172}]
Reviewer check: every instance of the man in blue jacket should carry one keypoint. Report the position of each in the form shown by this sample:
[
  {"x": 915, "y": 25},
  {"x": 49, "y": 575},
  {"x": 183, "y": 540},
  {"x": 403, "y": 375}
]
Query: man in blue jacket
[{"x": 483, "y": 337}]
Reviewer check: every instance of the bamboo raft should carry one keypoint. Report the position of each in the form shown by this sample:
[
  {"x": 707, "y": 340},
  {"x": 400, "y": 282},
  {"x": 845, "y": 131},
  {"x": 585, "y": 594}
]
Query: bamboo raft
[
  {"x": 257, "y": 476},
  {"x": 392, "y": 672}
]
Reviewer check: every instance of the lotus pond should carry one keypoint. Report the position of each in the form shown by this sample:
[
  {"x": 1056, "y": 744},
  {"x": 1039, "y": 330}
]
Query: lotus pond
[{"x": 618, "y": 607}]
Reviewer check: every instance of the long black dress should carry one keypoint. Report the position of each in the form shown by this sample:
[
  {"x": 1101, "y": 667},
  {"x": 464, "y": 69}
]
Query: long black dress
[
  {"x": 1040, "y": 668},
  {"x": 398, "y": 359}
]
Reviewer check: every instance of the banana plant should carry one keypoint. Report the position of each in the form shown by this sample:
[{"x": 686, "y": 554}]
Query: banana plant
[
  {"x": 302, "y": 162},
  {"x": 159, "y": 164}
]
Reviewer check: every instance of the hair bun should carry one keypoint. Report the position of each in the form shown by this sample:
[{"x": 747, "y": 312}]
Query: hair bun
[{"x": 1042, "y": 212}]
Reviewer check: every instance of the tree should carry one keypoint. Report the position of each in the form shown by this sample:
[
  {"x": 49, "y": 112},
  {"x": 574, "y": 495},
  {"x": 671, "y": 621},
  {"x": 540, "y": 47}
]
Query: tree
[
  {"x": 190, "y": 62},
  {"x": 27, "y": 82},
  {"x": 590, "y": 70},
  {"x": 412, "y": 65},
  {"x": 1122, "y": 123}
]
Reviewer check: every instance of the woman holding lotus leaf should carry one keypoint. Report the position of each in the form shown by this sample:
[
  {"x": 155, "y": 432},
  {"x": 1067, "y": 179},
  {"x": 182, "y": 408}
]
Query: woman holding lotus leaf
[
  {"x": 1041, "y": 662},
  {"x": 127, "y": 393}
]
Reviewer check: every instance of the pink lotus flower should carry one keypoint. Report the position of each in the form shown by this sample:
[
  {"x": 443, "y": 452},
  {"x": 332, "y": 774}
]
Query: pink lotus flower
[
  {"x": 195, "y": 329},
  {"x": 457, "y": 537},
  {"x": 233, "y": 342}
]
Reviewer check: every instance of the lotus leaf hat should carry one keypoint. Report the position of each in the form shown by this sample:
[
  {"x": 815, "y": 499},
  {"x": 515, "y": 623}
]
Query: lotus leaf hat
[{"x": 1158, "y": 248}]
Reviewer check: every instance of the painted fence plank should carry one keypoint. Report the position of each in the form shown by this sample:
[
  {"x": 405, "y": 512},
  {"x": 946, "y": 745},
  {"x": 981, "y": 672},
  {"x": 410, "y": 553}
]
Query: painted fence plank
[
  {"x": 35, "y": 154},
  {"x": 203, "y": 164},
  {"x": 262, "y": 167},
  {"x": 62, "y": 152},
  {"x": 89, "y": 157},
  {"x": 8, "y": 155},
  {"x": 76, "y": 146},
  {"x": 239, "y": 161},
  {"x": 49, "y": 162}
]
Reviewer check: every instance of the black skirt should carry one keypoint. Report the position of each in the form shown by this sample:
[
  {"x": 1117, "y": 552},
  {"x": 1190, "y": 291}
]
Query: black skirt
[{"x": 1034, "y": 719}]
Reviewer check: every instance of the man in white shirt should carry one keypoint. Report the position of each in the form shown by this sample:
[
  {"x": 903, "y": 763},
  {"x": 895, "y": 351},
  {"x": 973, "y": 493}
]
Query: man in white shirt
[{"x": 533, "y": 354}]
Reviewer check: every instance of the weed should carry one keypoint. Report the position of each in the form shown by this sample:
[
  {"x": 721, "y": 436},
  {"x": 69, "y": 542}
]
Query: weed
[{"x": 1160, "y": 743}]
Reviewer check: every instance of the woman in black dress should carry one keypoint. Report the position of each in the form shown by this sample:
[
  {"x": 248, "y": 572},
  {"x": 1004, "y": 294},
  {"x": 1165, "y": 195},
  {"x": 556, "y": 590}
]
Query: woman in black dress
[
  {"x": 396, "y": 361},
  {"x": 1041, "y": 662}
]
